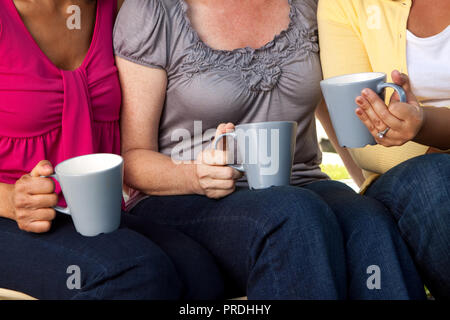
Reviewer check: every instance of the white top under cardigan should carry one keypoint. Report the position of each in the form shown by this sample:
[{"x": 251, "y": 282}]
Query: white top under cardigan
[{"x": 429, "y": 67}]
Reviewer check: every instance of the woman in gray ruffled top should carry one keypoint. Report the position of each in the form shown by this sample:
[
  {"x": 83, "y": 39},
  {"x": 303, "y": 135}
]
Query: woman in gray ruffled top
[{"x": 193, "y": 69}]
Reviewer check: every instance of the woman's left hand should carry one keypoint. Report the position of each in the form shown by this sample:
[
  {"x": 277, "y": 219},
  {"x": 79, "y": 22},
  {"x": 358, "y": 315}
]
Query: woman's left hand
[{"x": 402, "y": 121}]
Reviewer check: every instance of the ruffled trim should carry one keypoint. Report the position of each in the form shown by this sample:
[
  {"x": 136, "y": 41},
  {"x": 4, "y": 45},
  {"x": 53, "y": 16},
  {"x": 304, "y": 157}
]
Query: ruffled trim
[
  {"x": 53, "y": 131},
  {"x": 260, "y": 68}
]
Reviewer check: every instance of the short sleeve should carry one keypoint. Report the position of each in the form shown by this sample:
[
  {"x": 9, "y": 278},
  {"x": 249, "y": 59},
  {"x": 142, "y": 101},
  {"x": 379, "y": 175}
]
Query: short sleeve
[
  {"x": 306, "y": 13},
  {"x": 141, "y": 33}
]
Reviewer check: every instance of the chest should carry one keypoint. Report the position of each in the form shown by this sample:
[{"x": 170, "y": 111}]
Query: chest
[
  {"x": 40, "y": 91},
  {"x": 429, "y": 67},
  {"x": 278, "y": 80},
  {"x": 281, "y": 82},
  {"x": 428, "y": 17},
  {"x": 239, "y": 26},
  {"x": 63, "y": 33}
]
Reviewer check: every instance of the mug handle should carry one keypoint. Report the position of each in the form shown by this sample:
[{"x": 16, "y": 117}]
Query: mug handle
[
  {"x": 233, "y": 135},
  {"x": 58, "y": 208},
  {"x": 401, "y": 93}
]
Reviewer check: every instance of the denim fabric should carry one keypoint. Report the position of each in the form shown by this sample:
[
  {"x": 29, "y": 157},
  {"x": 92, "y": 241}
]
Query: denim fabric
[
  {"x": 278, "y": 243},
  {"x": 417, "y": 193},
  {"x": 288, "y": 242},
  {"x": 371, "y": 239},
  {"x": 200, "y": 276},
  {"x": 120, "y": 265}
]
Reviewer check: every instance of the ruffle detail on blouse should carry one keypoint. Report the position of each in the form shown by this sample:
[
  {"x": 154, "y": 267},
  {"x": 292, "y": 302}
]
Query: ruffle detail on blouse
[
  {"x": 260, "y": 68},
  {"x": 20, "y": 155}
]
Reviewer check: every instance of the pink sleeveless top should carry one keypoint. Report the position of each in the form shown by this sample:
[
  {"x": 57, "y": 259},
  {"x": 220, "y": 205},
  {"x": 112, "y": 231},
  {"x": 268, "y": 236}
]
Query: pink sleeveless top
[{"x": 51, "y": 114}]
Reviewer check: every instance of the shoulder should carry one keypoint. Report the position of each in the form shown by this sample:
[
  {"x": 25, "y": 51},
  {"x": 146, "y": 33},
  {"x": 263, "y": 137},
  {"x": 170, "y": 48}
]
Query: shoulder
[
  {"x": 149, "y": 7},
  {"x": 305, "y": 13},
  {"x": 356, "y": 12},
  {"x": 345, "y": 10},
  {"x": 308, "y": 4},
  {"x": 143, "y": 29},
  {"x": 331, "y": 10},
  {"x": 137, "y": 16},
  {"x": 141, "y": 15}
]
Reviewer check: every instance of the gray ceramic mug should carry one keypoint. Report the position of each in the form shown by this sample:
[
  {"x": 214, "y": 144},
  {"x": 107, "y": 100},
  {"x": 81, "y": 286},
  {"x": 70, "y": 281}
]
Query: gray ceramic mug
[
  {"x": 340, "y": 93},
  {"x": 92, "y": 188},
  {"x": 266, "y": 151}
]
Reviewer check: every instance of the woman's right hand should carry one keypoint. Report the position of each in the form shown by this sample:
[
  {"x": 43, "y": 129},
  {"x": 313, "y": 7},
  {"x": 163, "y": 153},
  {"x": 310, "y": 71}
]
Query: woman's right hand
[
  {"x": 214, "y": 178},
  {"x": 33, "y": 199}
]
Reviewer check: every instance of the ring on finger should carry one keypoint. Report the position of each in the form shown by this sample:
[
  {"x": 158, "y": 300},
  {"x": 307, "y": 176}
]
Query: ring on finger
[{"x": 383, "y": 133}]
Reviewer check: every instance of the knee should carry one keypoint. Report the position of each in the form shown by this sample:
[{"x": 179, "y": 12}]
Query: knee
[
  {"x": 134, "y": 269},
  {"x": 428, "y": 172},
  {"x": 372, "y": 219},
  {"x": 415, "y": 187},
  {"x": 296, "y": 208}
]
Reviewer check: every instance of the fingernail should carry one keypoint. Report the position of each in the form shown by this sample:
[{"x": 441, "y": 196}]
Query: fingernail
[
  {"x": 365, "y": 92},
  {"x": 359, "y": 112}
]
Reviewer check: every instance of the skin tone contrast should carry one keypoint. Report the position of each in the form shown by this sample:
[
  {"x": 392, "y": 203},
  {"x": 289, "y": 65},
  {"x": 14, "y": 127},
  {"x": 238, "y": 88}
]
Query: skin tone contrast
[
  {"x": 408, "y": 121},
  {"x": 249, "y": 23},
  {"x": 428, "y": 126}
]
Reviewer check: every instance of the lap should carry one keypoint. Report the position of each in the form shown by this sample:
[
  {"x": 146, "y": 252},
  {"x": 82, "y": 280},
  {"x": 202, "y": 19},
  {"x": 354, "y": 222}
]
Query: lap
[
  {"x": 430, "y": 168},
  {"x": 418, "y": 184},
  {"x": 255, "y": 207},
  {"x": 246, "y": 210},
  {"x": 235, "y": 228},
  {"x": 238, "y": 220},
  {"x": 101, "y": 250},
  {"x": 352, "y": 210},
  {"x": 40, "y": 264},
  {"x": 195, "y": 265}
]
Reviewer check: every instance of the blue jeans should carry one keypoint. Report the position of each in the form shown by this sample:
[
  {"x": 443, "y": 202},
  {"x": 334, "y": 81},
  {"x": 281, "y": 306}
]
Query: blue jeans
[
  {"x": 417, "y": 193},
  {"x": 120, "y": 265},
  {"x": 371, "y": 238},
  {"x": 292, "y": 243}
]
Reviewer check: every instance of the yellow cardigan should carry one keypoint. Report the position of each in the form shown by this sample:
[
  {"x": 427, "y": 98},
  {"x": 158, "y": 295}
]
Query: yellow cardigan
[{"x": 367, "y": 36}]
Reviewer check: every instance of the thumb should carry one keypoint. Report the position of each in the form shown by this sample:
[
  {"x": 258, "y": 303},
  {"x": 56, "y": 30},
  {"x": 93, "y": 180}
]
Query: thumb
[
  {"x": 224, "y": 128},
  {"x": 43, "y": 168},
  {"x": 221, "y": 129},
  {"x": 402, "y": 80}
]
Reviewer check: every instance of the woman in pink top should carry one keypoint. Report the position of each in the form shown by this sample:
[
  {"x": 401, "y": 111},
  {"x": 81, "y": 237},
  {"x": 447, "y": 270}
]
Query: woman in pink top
[{"x": 60, "y": 98}]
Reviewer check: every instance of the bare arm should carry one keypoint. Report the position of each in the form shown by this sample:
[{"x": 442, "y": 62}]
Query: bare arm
[
  {"x": 435, "y": 129},
  {"x": 324, "y": 118},
  {"x": 6, "y": 201},
  {"x": 119, "y": 4},
  {"x": 341, "y": 52},
  {"x": 146, "y": 169}
]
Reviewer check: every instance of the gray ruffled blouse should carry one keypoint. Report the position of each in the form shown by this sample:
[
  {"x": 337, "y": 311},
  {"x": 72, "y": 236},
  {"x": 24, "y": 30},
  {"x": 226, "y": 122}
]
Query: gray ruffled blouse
[{"x": 206, "y": 87}]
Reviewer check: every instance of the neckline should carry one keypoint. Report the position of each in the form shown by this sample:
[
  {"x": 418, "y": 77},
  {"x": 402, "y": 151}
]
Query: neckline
[
  {"x": 198, "y": 40},
  {"x": 42, "y": 53},
  {"x": 437, "y": 36}
]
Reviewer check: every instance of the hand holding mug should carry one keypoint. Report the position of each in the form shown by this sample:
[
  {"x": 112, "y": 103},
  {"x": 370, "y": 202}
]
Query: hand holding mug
[
  {"x": 340, "y": 94},
  {"x": 265, "y": 151},
  {"x": 392, "y": 125},
  {"x": 33, "y": 199},
  {"x": 214, "y": 178}
]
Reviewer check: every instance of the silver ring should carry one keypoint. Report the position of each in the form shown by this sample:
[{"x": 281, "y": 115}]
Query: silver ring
[{"x": 382, "y": 134}]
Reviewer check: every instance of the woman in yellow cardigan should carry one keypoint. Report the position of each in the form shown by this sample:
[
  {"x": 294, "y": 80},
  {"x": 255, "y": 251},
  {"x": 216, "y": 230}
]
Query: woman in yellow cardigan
[{"x": 409, "y": 37}]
